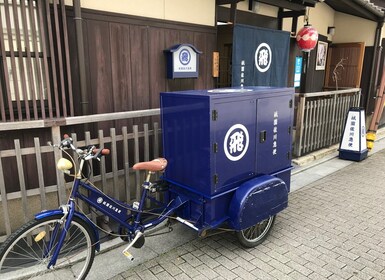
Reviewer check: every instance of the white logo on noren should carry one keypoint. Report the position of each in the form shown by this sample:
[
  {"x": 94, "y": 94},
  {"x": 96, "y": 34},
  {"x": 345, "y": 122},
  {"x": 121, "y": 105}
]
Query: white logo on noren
[
  {"x": 263, "y": 57},
  {"x": 236, "y": 142}
]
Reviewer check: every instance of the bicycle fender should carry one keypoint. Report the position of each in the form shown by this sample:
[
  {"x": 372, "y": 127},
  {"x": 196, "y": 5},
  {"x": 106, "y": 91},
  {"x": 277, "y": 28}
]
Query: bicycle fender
[
  {"x": 256, "y": 200},
  {"x": 54, "y": 212}
]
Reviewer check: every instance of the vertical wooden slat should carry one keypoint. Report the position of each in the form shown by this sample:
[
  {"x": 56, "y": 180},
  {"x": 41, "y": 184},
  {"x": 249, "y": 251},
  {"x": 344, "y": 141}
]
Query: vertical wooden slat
[
  {"x": 67, "y": 58},
  {"x": 40, "y": 85},
  {"x": 51, "y": 49},
  {"x": 4, "y": 201},
  {"x": 56, "y": 138},
  {"x": 146, "y": 149},
  {"x": 126, "y": 163},
  {"x": 87, "y": 139},
  {"x": 319, "y": 124},
  {"x": 304, "y": 126},
  {"x": 114, "y": 158},
  {"x": 333, "y": 115},
  {"x": 5, "y": 69},
  {"x": 102, "y": 162},
  {"x": 156, "y": 140},
  {"x": 30, "y": 76},
  {"x": 20, "y": 58},
  {"x": 313, "y": 124},
  {"x": 307, "y": 127},
  {"x": 20, "y": 169},
  {"x": 155, "y": 147},
  {"x": 329, "y": 123},
  {"x": 45, "y": 68},
  {"x": 136, "y": 159},
  {"x": 40, "y": 173},
  {"x": 13, "y": 61},
  {"x": 2, "y": 51},
  {"x": 60, "y": 58},
  {"x": 146, "y": 142},
  {"x": 340, "y": 117},
  {"x": 317, "y": 127},
  {"x": 324, "y": 123}
]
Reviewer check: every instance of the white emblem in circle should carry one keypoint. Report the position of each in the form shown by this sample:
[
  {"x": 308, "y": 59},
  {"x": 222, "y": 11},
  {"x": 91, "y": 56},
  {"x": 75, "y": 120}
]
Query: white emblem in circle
[
  {"x": 99, "y": 200},
  {"x": 236, "y": 142},
  {"x": 263, "y": 57}
]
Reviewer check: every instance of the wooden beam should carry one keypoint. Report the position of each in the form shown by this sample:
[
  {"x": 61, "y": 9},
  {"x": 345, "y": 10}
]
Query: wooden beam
[
  {"x": 226, "y": 2},
  {"x": 291, "y": 5},
  {"x": 233, "y": 12}
]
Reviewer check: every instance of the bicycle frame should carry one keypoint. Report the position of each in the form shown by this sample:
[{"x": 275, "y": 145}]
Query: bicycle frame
[{"x": 120, "y": 212}]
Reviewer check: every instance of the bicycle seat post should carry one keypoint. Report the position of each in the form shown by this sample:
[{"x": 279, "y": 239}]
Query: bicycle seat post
[
  {"x": 147, "y": 182},
  {"x": 151, "y": 167}
]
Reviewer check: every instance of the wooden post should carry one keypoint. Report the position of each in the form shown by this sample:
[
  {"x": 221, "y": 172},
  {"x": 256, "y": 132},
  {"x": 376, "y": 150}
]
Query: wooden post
[{"x": 56, "y": 138}]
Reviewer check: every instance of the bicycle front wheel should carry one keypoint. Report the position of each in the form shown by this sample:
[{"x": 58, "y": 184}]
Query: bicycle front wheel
[{"x": 27, "y": 252}]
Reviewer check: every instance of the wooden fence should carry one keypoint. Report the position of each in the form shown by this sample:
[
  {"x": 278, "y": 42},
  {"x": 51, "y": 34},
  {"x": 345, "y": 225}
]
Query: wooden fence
[
  {"x": 114, "y": 176},
  {"x": 321, "y": 118},
  {"x": 319, "y": 123}
]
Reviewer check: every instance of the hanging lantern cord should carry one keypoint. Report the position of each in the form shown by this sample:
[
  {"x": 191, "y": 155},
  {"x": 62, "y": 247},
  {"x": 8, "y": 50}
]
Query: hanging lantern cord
[{"x": 306, "y": 17}]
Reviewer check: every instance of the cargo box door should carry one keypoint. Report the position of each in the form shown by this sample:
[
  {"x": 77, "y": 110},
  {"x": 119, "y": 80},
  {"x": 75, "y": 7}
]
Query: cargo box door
[
  {"x": 274, "y": 130},
  {"x": 234, "y": 143}
]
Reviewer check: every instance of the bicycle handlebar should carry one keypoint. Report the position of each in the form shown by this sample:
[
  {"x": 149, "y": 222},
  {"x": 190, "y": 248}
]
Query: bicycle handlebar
[{"x": 90, "y": 152}]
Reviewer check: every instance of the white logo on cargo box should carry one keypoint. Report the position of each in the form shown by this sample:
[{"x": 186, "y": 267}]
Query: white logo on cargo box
[{"x": 236, "y": 142}]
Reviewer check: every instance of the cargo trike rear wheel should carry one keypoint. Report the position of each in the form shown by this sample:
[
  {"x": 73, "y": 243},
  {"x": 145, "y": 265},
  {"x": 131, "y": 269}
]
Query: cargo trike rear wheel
[{"x": 254, "y": 235}]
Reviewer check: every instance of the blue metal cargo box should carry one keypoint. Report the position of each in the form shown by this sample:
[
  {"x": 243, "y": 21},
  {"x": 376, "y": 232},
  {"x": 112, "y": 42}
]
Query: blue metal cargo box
[{"x": 215, "y": 140}]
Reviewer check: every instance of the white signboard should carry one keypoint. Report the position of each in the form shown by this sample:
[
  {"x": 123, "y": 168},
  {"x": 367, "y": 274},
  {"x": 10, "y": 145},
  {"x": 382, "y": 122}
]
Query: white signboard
[
  {"x": 185, "y": 60},
  {"x": 354, "y": 137}
]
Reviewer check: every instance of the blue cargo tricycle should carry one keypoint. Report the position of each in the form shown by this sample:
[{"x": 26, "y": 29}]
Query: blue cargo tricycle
[{"x": 228, "y": 166}]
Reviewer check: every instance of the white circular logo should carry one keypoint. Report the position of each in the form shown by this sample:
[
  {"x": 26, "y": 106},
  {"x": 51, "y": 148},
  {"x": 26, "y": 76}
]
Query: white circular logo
[
  {"x": 99, "y": 200},
  {"x": 236, "y": 142},
  {"x": 263, "y": 57},
  {"x": 184, "y": 56}
]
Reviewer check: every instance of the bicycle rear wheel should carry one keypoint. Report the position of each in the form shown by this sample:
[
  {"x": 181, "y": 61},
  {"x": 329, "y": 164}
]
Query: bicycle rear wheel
[
  {"x": 255, "y": 234},
  {"x": 27, "y": 252}
]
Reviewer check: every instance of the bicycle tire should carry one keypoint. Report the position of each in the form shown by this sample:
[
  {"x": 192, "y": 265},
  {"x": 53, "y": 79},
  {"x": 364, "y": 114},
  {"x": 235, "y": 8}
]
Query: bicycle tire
[
  {"x": 22, "y": 254},
  {"x": 256, "y": 234}
]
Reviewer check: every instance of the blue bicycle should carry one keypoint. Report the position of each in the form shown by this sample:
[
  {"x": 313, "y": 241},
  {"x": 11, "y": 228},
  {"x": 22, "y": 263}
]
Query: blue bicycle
[
  {"x": 66, "y": 237},
  {"x": 61, "y": 243}
]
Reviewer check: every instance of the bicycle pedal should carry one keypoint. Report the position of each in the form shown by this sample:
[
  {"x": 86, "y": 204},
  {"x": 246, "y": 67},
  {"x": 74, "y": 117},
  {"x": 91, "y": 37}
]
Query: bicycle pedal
[{"x": 128, "y": 255}]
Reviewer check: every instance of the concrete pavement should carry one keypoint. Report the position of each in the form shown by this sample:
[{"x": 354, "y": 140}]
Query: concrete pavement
[{"x": 334, "y": 228}]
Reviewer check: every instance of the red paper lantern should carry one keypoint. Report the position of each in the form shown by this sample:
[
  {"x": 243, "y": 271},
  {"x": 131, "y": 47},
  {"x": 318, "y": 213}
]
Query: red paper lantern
[{"x": 307, "y": 38}]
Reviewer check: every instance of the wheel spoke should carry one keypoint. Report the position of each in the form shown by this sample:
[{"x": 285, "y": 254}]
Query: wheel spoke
[
  {"x": 27, "y": 252},
  {"x": 255, "y": 234}
]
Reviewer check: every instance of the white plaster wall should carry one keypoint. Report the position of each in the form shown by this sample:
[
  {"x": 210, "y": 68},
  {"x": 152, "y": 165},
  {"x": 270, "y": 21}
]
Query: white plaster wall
[
  {"x": 348, "y": 28},
  {"x": 320, "y": 17},
  {"x": 354, "y": 29},
  {"x": 258, "y": 8},
  {"x": 196, "y": 11}
]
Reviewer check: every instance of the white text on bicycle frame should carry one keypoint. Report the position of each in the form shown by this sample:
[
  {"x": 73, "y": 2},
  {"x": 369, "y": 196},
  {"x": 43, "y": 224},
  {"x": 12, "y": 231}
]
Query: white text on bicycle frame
[{"x": 108, "y": 205}]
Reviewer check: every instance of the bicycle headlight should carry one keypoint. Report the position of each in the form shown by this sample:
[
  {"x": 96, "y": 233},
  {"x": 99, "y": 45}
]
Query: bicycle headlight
[{"x": 64, "y": 164}]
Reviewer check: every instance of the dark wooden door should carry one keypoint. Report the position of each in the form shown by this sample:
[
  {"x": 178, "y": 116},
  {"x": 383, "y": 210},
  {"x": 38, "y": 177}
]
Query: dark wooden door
[{"x": 344, "y": 65}]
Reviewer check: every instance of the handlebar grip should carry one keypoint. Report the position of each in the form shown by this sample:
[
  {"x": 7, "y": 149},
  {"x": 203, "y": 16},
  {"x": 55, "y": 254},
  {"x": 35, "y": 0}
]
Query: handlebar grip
[{"x": 103, "y": 152}]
